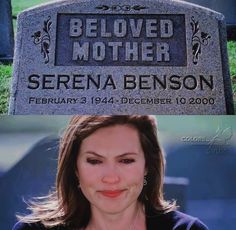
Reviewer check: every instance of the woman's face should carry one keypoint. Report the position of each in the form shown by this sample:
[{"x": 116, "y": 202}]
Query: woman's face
[{"x": 111, "y": 168}]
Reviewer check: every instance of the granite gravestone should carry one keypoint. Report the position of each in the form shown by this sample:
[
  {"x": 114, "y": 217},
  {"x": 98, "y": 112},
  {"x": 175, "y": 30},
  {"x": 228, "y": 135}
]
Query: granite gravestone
[
  {"x": 210, "y": 168},
  {"x": 6, "y": 32},
  {"x": 103, "y": 57},
  {"x": 32, "y": 176}
]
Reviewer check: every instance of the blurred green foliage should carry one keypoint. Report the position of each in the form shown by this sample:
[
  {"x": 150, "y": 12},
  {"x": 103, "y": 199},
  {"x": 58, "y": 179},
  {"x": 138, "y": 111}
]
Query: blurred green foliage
[
  {"x": 232, "y": 63},
  {"x": 5, "y": 79},
  {"x": 20, "y": 5}
]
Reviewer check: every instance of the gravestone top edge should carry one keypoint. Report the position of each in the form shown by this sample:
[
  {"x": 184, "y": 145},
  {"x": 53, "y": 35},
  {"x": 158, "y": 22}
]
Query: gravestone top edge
[{"x": 61, "y": 3}]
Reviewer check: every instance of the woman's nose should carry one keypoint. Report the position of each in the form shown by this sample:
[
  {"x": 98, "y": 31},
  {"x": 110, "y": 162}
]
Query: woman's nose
[{"x": 111, "y": 175}]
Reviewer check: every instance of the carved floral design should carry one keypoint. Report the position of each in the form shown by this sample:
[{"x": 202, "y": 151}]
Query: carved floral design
[
  {"x": 198, "y": 39},
  {"x": 121, "y": 7},
  {"x": 43, "y": 38}
]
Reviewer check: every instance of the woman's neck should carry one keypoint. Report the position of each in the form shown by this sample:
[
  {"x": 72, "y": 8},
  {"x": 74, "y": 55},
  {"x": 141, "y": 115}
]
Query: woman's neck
[{"x": 133, "y": 218}]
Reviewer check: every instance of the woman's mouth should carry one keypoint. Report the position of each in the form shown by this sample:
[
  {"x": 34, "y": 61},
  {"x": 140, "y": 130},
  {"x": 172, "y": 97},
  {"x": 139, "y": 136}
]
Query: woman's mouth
[{"x": 111, "y": 193}]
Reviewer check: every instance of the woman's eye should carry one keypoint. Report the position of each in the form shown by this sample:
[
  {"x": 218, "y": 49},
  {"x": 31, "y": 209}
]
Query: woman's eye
[
  {"x": 93, "y": 161},
  {"x": 127, "y": 161}
]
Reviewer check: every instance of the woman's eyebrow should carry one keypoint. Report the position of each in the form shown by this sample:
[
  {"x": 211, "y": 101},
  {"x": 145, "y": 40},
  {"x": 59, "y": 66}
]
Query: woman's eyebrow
[
  {"x": 127, "y": 154},
  {"x": 94, "y": 153},
  {"x": 118, "y": 156}
]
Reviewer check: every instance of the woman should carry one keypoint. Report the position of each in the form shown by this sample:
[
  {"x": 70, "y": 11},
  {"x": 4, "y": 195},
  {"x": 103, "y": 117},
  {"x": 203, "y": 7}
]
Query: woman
[{"x": 110, "y": 177}]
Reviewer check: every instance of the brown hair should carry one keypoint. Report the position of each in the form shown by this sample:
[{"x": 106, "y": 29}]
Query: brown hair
[{"x": 67, "y": 205}]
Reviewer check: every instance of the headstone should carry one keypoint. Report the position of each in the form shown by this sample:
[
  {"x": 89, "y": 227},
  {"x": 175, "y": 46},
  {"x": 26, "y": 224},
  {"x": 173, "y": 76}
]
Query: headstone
[
  {"x": 210, "y": 168},
  {"x": 103, "y": 57},
  {"x": 33, "y": 176},
  {"x": 175, "y": 188},
  {"x": 6, "y": 32}
]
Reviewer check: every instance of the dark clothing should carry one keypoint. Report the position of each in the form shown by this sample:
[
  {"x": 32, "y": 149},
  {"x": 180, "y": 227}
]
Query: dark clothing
[{"x": 173, "y": 220}]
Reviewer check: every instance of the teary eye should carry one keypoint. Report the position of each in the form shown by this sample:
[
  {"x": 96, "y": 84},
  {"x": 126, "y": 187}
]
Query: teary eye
[
  {"x": 93, "y": 161},
  {"x": 127, "y": 161}
]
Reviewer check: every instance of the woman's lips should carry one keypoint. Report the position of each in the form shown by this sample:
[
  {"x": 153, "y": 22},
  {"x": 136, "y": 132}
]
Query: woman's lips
[{"x": 111, "y": 193}]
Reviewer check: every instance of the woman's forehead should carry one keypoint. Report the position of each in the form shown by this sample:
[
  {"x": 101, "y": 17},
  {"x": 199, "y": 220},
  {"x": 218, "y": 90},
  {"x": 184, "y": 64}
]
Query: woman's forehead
[
  {"x": 117, "y": 129},
  {"x": 123, "y": 138}
]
